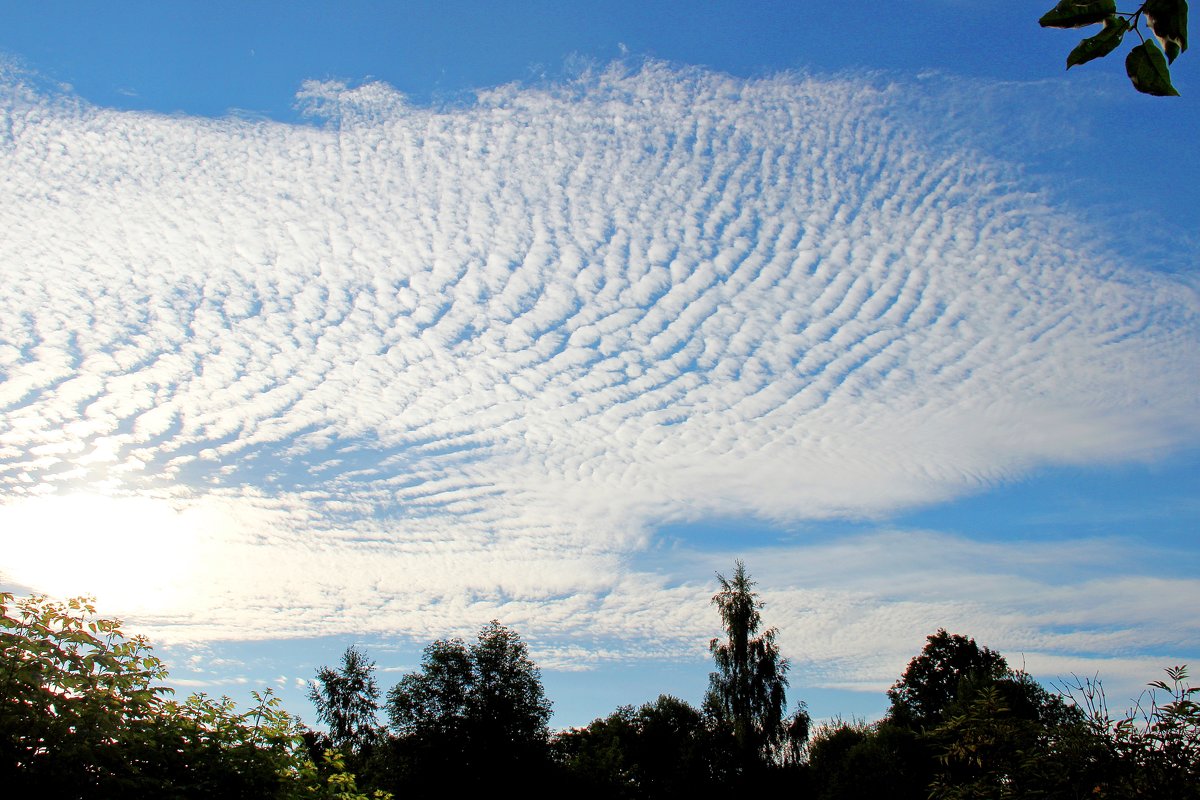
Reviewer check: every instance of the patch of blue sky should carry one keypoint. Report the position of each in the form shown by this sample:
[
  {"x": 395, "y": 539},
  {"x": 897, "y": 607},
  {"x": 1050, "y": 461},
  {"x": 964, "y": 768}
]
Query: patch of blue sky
[
  {"x": 579, "y": 693},
  {"x": 1153, "y": 509},
  {"x": 208, "y": 58},
  {"x": 287, "y": 666},
  {"x": 1157, "y": 504}
]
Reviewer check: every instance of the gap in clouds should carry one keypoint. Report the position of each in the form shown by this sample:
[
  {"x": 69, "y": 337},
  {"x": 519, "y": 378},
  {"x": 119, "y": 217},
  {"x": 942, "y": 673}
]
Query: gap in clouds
[{"x": 427, "y": 366}]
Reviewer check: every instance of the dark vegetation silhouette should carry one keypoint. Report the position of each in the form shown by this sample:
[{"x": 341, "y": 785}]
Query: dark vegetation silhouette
[
  {"x": 84, "y": 714},
  {"x": 346, "y": 701},
  {"x": 471, "y": 713},
  {"x": 747, "y": 695}
]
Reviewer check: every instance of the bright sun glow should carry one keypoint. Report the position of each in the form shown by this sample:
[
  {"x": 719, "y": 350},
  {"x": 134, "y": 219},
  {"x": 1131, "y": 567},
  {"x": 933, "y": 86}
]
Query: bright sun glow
[{"x": 133, "y": 554}]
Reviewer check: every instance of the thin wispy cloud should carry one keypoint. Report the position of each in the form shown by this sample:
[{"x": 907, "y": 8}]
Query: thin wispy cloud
[
  {"x": 853, "y": 611},
  {"x": 406, "y": 369}
]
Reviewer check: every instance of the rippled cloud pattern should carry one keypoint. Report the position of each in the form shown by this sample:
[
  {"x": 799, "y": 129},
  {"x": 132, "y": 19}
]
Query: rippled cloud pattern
[{"x": 427, "y": 366}]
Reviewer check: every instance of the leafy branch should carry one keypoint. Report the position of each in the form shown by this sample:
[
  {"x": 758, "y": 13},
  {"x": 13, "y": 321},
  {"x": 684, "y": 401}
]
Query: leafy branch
[{"x": 1146, "y": 65}]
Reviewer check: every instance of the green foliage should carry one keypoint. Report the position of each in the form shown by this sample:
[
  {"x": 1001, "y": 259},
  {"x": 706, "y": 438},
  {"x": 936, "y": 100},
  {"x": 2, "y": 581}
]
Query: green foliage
[
  {"x": 851, "y": 760},
  {"x": 332, "y": 781},
  {"x": 963, "y": 725},
  {"x": 1146, "y": 65},
  {"x": 208, "y": 748},
  {"x": 988, "y": 731},
  {"x": 1168, "y": 20},
  {"x": 1147, "y": 68},
  {"x": 1077, "y": 14},
  {"x": 1165, "y": 746},
  {"x": 438, "y": 700},
  {"x": 76, "y": 696},
  {"x": 1101, "y": 44},
  {"x": 83, "y": 715},
  {"x": 984, "y": 750},
  {"x": 75, "y": 692},
  {"x": 508, "y": 703},
  {"x": 796, "y": 730},
  {"x": 993, "y": 749},
  {"x": 599, "y": 758}
]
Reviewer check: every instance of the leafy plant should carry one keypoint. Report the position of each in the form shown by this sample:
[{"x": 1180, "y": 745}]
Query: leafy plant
[
  {"x": 84, "y": 714},
  {"x": 1146, "y": 65},
  {"x": 76, "y": 695},
  {"x": 1153, "y": 750},
  {"x": 663, "y": 749}
]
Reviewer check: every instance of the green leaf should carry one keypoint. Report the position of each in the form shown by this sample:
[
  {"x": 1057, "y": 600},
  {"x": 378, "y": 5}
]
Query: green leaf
[
  {"x": 1077, "y": 14},
  {"x": 1147, "y": 69},
  {"x": 1168, "y": 20},
  {"x": 1101, "y": 44}
]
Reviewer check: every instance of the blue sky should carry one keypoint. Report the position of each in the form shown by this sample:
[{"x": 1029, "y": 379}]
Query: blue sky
[{"x": 369, "y": 323}]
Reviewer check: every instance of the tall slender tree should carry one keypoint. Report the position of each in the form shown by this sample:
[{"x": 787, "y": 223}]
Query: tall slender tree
[{"x": 748, "y": 692}]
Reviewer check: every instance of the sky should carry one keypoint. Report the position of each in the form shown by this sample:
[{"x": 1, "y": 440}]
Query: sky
[{"x": 368, "y": 323}]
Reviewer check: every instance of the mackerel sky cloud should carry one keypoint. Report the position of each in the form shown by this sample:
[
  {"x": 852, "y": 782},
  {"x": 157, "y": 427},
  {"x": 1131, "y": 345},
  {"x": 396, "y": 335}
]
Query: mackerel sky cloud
[{"x": 401, "y": 369}]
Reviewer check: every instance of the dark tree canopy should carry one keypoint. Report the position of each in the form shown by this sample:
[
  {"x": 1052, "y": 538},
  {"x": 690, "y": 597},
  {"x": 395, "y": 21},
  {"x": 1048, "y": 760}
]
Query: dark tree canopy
[
  {"x": 83, "y": 715},
  {"x": 853, "y": 761},
  {"x": 663, "y": 749},
  {"x": 473, "y": 708},
  {"x": 435, "y": 701},
  {"x": 945, "y": 669},
  {"x": 508, "y": 703}
]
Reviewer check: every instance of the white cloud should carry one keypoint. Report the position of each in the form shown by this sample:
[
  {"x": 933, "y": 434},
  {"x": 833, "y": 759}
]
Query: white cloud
[
  {"x": 425, "y": 367},
  {"x": 853, "y": 611}
]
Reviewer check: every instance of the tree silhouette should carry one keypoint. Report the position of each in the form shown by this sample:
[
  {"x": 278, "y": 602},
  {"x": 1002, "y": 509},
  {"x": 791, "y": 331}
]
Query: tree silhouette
[
  {"x": 347, "y": 700},
  {"x": 472, "y": 708},
  {"x": 748, "y": 692},
  {"x": 947, "y": 668}
]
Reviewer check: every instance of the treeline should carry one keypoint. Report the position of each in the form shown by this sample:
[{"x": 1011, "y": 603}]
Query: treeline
[{"x": 83, "y": 714}]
